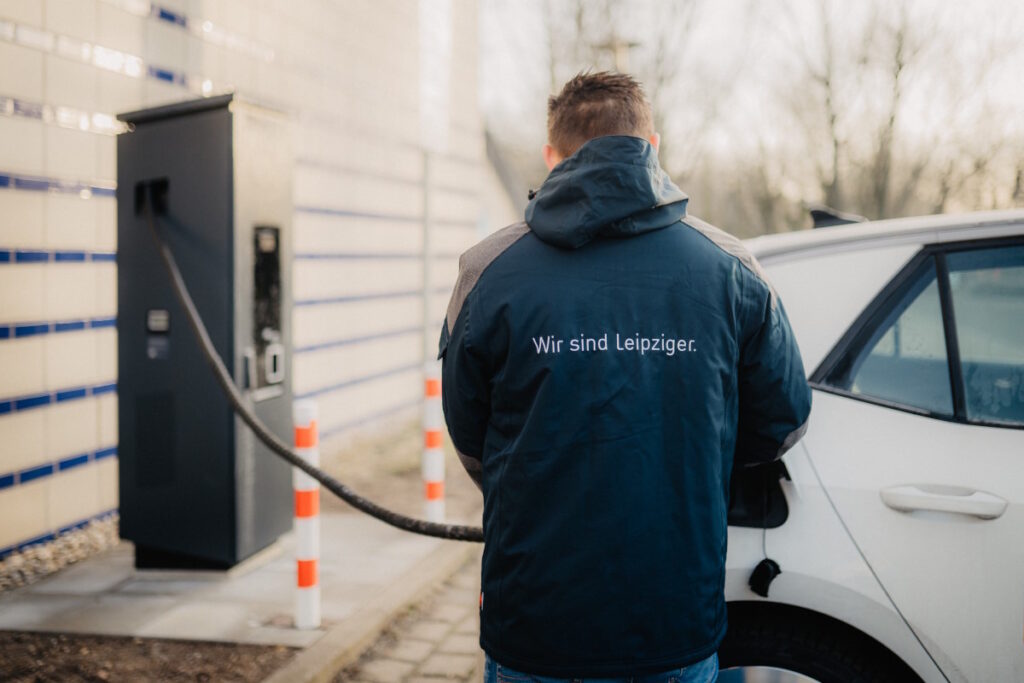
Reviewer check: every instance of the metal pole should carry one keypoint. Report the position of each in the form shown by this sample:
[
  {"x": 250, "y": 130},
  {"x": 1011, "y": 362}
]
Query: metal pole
[
  {"x": 433, "y": 447},
  {"x": 307, "y": 518}
]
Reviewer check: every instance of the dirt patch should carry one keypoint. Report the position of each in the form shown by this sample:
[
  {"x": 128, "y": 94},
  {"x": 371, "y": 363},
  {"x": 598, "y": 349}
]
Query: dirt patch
[{"x": 48, "y": 657}]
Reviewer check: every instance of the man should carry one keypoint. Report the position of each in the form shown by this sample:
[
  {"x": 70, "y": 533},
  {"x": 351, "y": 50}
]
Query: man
[{"x": 603, "y": 363}]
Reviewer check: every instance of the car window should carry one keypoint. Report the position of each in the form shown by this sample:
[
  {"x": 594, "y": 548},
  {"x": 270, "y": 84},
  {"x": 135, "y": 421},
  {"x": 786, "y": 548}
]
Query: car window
[
  {"x": 902, "y": 358},
  {"x": 987, "y": 292}
]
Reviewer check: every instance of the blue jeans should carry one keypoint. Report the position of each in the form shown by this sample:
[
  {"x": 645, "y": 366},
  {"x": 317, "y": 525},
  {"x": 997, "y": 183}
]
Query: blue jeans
[{"x": 705, "y": 671}]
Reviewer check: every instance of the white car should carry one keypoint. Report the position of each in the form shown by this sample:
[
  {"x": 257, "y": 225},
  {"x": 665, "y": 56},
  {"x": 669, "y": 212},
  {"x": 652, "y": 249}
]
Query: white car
[{"x": 898, "y": 523}]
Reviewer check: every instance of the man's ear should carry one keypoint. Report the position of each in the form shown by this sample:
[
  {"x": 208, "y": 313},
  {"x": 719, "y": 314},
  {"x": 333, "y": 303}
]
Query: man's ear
[
  {"x": 551, "y": 157},
  {"x": 655, "y": 140}
]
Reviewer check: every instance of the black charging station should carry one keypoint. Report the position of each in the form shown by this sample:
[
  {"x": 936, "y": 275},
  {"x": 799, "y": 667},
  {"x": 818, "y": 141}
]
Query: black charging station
[{"x": 197, "y": 490}]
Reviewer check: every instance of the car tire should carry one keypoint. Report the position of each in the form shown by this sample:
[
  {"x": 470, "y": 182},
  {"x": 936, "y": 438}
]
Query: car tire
[{"x": 807, "y": 643}]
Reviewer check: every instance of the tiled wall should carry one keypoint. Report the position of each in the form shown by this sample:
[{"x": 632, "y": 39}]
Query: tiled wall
[{"x": 349, "y": 74}]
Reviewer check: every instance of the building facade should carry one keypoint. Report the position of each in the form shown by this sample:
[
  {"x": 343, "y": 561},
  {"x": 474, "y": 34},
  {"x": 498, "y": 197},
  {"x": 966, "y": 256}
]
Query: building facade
[{"x": 382, "y": 95}]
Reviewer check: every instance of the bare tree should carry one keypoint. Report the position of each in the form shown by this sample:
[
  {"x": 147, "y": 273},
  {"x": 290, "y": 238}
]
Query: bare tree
[{"x": 649, "y": 40}]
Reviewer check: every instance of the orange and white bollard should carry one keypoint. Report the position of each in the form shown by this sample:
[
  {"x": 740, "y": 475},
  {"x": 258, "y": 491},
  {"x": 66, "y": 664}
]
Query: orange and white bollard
[
  {"x": 307, "y": 518},
  {"x": 433, "y": 451}
]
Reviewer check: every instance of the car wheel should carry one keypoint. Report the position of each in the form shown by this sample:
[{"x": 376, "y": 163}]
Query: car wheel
[{"x": 772, "y": 643}]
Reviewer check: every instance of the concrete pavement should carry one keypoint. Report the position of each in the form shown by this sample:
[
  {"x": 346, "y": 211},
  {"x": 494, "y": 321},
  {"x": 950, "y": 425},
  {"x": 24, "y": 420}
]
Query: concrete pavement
[{"x": 362, "y": 561}]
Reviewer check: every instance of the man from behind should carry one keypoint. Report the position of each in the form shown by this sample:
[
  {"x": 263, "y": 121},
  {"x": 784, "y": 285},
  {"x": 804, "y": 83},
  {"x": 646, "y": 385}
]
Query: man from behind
[{"x": 606, "y": 364}]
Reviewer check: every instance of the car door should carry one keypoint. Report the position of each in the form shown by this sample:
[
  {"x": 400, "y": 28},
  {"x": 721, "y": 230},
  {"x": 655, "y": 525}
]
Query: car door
[{"x": 917, "y": 434}]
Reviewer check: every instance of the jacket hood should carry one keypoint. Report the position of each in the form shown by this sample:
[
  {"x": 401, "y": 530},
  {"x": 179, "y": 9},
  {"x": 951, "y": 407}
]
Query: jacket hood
[{"x": 612, "y": 186}]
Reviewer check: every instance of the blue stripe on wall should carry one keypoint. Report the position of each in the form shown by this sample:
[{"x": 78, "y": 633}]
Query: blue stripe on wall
[
  {"x": 370, "y": 297},
  {"x": 30, "y": 329},
  {"x": 31, "y": 401},
  {"x": 358, "y": 380},
  {"x": 20, "y": 181},
  {"x": 346, "y": 256},
  {"x": 72, "y": 462},
  {"x": 19, "y": 330},
  {"x": 55, "y": 256},
  {"x": 350, "y": 424},
  {"x": 357, "y": 340},
  {"x": 35, "y": 473},
  {"x": 30, "y": 256},
  {"x": 328, "y": 211},
  {"x": 105, "y": 453},
  {"x": 164, "y": 14},
  {"x": 68, "y": 394},
  {"x": 71, "y": 394},
  {"x": 61, "y": 256}
]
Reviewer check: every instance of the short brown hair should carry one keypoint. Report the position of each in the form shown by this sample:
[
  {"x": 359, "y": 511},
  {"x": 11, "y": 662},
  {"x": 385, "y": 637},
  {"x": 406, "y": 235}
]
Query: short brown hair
[{"x": 595, "y": 104}]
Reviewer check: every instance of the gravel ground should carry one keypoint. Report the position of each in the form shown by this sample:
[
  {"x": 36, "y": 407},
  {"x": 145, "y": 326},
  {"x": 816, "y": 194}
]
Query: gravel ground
[
  {"x": 385, "y": 468},
  {"x": 39, "y": 561}
]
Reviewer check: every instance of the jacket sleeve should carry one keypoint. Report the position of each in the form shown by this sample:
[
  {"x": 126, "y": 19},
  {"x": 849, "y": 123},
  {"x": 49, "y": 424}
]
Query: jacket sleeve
[
  {"x": 774, "y": 398},
  {"x": 465, "y": 394}
]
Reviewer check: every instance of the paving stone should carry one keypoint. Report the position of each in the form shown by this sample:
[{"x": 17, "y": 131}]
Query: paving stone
[
  {"x": 434, "y": 631},
  {"x": 469, "y": 625},
  {"x": 409, "y": 650},
  {"x": 385, "y": 670},
  {"x": 451, "y": 614},
  {"x": 452, "y": 666},
  {"x": 454, "y": 595},
  {"x": 471, "y": 581},
  {"x": 460, "y": 644}
]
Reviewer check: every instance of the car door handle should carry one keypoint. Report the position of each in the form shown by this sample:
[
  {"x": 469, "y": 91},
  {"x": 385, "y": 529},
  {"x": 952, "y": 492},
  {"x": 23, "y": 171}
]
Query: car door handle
[{"x": 964, "y": 501}]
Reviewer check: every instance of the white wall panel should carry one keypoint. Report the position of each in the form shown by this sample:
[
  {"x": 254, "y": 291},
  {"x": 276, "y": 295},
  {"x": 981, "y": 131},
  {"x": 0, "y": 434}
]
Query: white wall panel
[
  {"x": 70, "y": 222},
  {"x": 70, "y": 429},
  {"x": 336, "y": 365},
  {"x": 22, "y": 11},
  {"x": 21, "y": 73},
  {"x": 328, "y": 233},
  {"x": 106, "y": 409},
  {"x": 23, "y": 435},
  {"x": 23, "y": 294},
  {"x": 321, "y": 324},
  {"x": 70, "y": 291},
  {"x": 24, "y": 510},
  {"x": 74, "y": 495},
  {"x": 72, "y": 17},
  {"x": 348, "y": 73},
  {"x": 323, "y": 279},
  {"x": 22, "y": 362},
  {"x": 70, "y": 83},
  {"x": 21, "y": 215},
  {"x": 71, "y": 359},
  {"x": 22, "y": 143}
]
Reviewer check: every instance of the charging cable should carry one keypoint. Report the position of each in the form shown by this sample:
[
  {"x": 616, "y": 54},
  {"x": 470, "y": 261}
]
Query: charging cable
[{"x": 454, "y": 532}]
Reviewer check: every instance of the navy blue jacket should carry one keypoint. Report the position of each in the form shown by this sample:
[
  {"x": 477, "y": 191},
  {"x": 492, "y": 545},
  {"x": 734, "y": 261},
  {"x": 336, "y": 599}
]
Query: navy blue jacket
[{"x": 605, "y": 363}]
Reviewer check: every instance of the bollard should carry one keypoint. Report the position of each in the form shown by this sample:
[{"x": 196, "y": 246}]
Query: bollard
[
  {"x": 307, "y": 518},
  {"x": 433, "y": 452}
]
